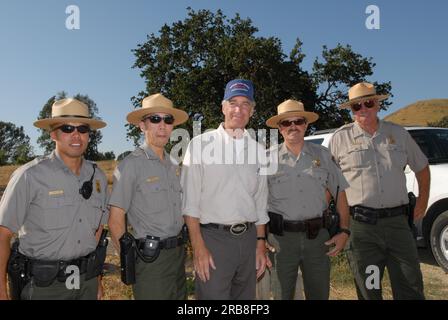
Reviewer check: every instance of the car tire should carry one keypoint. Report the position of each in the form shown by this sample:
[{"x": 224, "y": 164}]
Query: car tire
[{"x": 439, "y": 240}]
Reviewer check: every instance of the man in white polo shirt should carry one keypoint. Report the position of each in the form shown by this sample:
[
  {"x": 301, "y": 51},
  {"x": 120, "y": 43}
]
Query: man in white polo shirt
[{"x": 225, "y": 202}]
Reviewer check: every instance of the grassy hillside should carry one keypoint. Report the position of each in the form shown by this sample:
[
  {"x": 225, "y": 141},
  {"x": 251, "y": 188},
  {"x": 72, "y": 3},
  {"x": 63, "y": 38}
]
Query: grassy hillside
[
  {"x": 6, "y": 171},
  {"x": 420, "y": 113}
]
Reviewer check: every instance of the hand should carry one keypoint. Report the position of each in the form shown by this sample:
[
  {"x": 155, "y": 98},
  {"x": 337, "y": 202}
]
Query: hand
[
  {"x": 261, "y": 259},
  {"x": 202, "y": 261},
  {"x": 99, "y": 295},
  {"x": 420, "y": 209},
  {"x": 4, "y": 295},
  {"x": 339, "y": 242}
]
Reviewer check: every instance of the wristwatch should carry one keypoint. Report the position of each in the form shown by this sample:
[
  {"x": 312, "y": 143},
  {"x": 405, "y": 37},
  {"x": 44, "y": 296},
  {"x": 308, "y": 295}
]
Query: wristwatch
[{"x": 345, "y": 230}]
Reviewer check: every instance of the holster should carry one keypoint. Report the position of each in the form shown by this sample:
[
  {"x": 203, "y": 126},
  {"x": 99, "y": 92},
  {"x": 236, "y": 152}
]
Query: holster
[
  {"x": 45, "y": 272},
  {"x": 18, "y": 273},
  {"x": 313, "y": 227},
  {"x": 150, "y": 249},
  {"x": 127, "y": 258},
  {"x": 411, "y": 207},
  {"x": 275, "y": 224},
  {"x": 331, "y": 221},
  {"x": 364, "y": 215},
  {"x": 95, "y": 261}
]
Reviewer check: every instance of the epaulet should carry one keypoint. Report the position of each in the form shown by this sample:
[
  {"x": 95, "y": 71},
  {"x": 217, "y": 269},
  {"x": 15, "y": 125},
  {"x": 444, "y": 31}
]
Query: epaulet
[
  {"x": 347, "y": 126},
  {"x": 391, "y": 124},
  {"x": 273, "y": 148},
  {"x": 32, "y": 163}
]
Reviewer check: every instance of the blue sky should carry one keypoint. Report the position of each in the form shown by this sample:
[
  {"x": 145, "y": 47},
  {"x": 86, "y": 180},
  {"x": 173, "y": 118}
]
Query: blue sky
[{"x": 40, "y": 57}]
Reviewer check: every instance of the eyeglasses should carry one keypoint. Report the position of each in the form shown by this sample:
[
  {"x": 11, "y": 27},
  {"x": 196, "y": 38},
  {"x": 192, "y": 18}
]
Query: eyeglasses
[
  {"x": 66, "y": 128},
  {"x": 168, "y": 119},
  {"x": 297, "y": 122},
  {"x": 368, "y": 104}
]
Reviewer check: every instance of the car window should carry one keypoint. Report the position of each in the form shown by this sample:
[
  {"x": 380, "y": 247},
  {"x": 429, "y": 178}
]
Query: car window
[
  {"x": 316, "y": 141},
  {"x": 433, "y": 143}
]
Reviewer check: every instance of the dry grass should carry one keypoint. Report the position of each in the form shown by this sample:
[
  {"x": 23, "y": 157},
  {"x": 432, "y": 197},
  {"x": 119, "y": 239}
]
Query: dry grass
[
  {"x": 420, "y": 113},
  {"x": 107, "y": 166}
]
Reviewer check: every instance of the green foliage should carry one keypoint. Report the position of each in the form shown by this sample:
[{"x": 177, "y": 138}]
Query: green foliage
[
  {"x": 191, "y": 61},
  {"x": 442, "y": 123},
  {"x": 48, "y": 145},
  {"x": 15, "y": 147},
  {"x": 123, "y": 155},
  {"x": 340, "y": 69}
]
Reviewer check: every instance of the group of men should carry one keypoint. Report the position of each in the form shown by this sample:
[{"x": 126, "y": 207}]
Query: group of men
[{"x": 235, "y": 211}]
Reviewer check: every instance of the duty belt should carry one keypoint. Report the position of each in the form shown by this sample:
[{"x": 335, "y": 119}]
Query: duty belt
[
  {"x": 235, "y": 229},
  {"x": 168, "y": 243},
  {"x": 379, "y": 213},
  {"x": 302, "y": 226}
]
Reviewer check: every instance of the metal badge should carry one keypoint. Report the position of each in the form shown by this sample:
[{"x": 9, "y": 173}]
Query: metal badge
[
  {"x": 98, "y": 186},
  {"x": 316, "y": 163},
  {"x": 238, "y": 229}
]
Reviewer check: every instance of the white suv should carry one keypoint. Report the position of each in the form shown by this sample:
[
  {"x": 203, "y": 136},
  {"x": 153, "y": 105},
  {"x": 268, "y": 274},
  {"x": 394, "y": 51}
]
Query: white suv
[{"x": 433, "y": 229}]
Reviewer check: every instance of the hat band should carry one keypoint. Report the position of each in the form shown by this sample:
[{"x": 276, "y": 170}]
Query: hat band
[
  {"x": 366, "y": 96},
  {"x": 71, "y": 116}
]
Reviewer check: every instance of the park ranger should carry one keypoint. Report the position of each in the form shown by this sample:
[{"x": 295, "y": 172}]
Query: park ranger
[
  {"x": 298, "y": 197},
  {"x": 372, "y": 155},
  {"x": 56, "y": 204},
  {"x": 147, "y": 189}
]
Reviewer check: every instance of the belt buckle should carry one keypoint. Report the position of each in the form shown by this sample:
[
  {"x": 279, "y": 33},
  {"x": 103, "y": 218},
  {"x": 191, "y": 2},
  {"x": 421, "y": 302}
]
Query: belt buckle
[{"x": 238, "y": 228}]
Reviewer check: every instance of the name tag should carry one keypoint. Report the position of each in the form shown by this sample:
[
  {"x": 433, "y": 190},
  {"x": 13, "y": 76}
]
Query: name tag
[
  {"x": 56, "y": 192},
  {"x": 152, "y": 179}
]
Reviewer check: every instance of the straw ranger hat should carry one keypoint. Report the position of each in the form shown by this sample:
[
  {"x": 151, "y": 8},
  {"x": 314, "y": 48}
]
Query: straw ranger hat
[
  {"x": 69, "y": 110},
  {"x": 157, "y": 103},
  {"x": 291, "y": 108},
  {"x": 361, "y": 92}
]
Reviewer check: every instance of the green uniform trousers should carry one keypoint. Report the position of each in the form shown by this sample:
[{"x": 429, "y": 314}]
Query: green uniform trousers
[
  {"x": 389, "y": 244},
  {"x": 294, "y": 250},
  {"x": 58, "y": 290},
  {"x": 163, "y": 279}
]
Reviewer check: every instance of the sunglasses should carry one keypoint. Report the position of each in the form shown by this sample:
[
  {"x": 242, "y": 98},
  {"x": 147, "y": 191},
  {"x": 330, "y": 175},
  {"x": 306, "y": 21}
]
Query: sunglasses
[
  {"x": 66, "y": 128},
  {"x": 168, "y": 119},
  {"x": 297, "y": 122},
  {"x": 368, "y": 104}
]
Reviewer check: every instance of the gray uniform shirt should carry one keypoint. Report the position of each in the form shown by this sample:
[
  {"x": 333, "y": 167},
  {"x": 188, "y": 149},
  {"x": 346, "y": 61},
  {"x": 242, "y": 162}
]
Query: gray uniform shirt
[
  {"x": 374, "y": 165},
  {"x": 297, "y": 189},
  {"x": 221, "y": 179},
  {"x": 43, "y": 205},
  {"x": 148, "y": 190}
]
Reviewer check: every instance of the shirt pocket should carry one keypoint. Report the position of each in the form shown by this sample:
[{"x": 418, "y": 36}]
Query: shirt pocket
[
  {"x": 320, "y": 176},
  {"x": 156, "y": 196},
  {"x": 356, "y": 157},
  {"x": 279, "y": 185},
  {"x": 58, "y": 212},
  {"x": 397, "y": 157}
]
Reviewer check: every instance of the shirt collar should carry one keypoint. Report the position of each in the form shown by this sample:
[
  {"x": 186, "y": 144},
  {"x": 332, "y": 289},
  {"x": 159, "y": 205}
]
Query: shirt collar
[
  {"x": 150, "y": 154},
  {"x": 57, "y": 161},
  {"x": 284, "y": 153},
  {"x": 358, "y": 131},
  {"x": 227, "y": 138}
]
